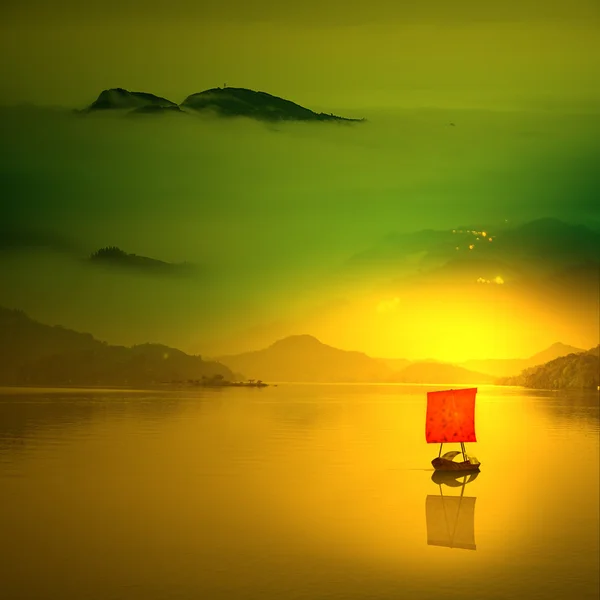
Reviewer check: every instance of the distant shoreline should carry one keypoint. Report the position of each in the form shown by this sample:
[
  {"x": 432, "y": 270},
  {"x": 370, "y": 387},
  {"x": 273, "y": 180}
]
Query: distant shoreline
[
  {"x": 168, "y": 387},
  {"x": 212, "y": 383},
  {"x": 178, "y": 387}
]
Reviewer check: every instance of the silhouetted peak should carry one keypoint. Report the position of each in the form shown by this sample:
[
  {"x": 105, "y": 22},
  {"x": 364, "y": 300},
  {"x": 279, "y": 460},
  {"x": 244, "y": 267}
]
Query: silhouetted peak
[
  {"x": 297, "y": 341},
  {"x": 112, "y": 91},
  {"x": 551, "y": 226},
  {"x": 559, "y": 346},
  {"x": 34, "y": 353},
  {"x": 554, "y": 351},
  {"x": 120, "y": 98},
  {"x": 243, "y": 102}
]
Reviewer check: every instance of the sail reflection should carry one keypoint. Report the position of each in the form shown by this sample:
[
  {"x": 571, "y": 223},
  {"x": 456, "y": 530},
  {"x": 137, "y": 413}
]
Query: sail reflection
[{"x": 451, "y": 519}]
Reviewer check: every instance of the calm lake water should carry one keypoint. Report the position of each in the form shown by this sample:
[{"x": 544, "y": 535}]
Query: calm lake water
[{"x": 293, "y": 492}]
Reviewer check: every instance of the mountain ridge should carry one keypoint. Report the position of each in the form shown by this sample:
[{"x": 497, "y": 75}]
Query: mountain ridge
[
  {"x": 113, "y": 256},
  {"x": 580, "y": 371},
  {"x": 243, "y": 102},
  {"x": 120, "y": 98},
  {"x": 515, "y": 252},
  {"x": 224, "y": 102},
  {"x": 32, "y": 353},
  {"x": 507, "y": 367},
  {"x": 303, "y": 358}
]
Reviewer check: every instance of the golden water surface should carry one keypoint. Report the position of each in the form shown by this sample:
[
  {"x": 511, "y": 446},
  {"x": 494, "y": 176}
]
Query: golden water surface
[{"x": 293, "y": 492}]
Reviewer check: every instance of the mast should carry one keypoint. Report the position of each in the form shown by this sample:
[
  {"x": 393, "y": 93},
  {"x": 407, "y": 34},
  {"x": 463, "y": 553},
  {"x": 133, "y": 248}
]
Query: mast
[{"x": 462, "y": 492}]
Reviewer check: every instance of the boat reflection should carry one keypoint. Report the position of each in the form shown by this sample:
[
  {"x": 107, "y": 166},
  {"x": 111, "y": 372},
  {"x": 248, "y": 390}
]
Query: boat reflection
[{"x": 451, "y": 519}]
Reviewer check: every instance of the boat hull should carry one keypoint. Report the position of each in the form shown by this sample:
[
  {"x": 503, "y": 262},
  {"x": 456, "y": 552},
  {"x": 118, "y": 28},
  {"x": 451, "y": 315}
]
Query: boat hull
[{"x": 443, "y": 464}]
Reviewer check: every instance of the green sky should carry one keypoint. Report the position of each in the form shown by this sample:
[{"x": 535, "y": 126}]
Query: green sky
[{"x": 271, "y": 215}]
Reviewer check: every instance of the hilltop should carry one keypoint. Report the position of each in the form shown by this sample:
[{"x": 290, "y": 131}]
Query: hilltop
[
  {"x": 32, "y": 353},
  {"x": 112, "y": 256},
  {"x": 575, "y": 371},
  {"x": 303, "y": 358},
  {"x": 223, "y": 102},
  {"x": 242, "y": 102},
  {"x": 119, "y": 98}
]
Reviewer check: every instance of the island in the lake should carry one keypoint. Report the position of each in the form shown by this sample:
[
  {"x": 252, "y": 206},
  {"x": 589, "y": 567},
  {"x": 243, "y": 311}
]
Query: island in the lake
[{"x": 219, "y": 381}]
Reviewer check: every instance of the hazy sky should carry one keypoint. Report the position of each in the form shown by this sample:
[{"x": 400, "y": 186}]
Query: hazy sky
[
  {"x": 322, "y": 53},
  {"x": 272, "y": 216}
]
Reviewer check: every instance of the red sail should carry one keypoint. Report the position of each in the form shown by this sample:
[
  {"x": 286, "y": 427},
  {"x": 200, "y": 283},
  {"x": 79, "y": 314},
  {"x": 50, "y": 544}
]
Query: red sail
[{"x": 451, "y": 416}]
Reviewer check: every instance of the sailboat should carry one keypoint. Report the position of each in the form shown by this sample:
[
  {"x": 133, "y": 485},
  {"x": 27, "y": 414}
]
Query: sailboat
[
  {"x": 451, "y": 519},
  {"x": 451, "y": 419}
]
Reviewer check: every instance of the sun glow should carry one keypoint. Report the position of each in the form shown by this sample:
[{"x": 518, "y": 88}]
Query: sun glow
[
  {"x": 450, "y": 323},
  {"x": 386, "y": 306}
]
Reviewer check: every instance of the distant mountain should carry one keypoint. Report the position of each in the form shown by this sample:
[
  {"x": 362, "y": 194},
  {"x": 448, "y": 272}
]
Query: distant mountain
[
  {"x": 35, "y": 354},
  {"x": 242, "y": 102},
  {"x": 395, "y": 364},
  {"x": 513, "y": 366},
  {"x": 225, "y": 102},
  {"x": 113, "y": 256},
  {"x": 545, "y": 238},
  {"x": 118, "y": 99},
  {"x": 574, "y": 371},
  {"x": 557, "y": 350},
  {"x": 581, "y": 280},
  {"x": 436, "y": 372},
  {"x": 303, "y": 358},
  {"x": 536, "y": 251}
]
